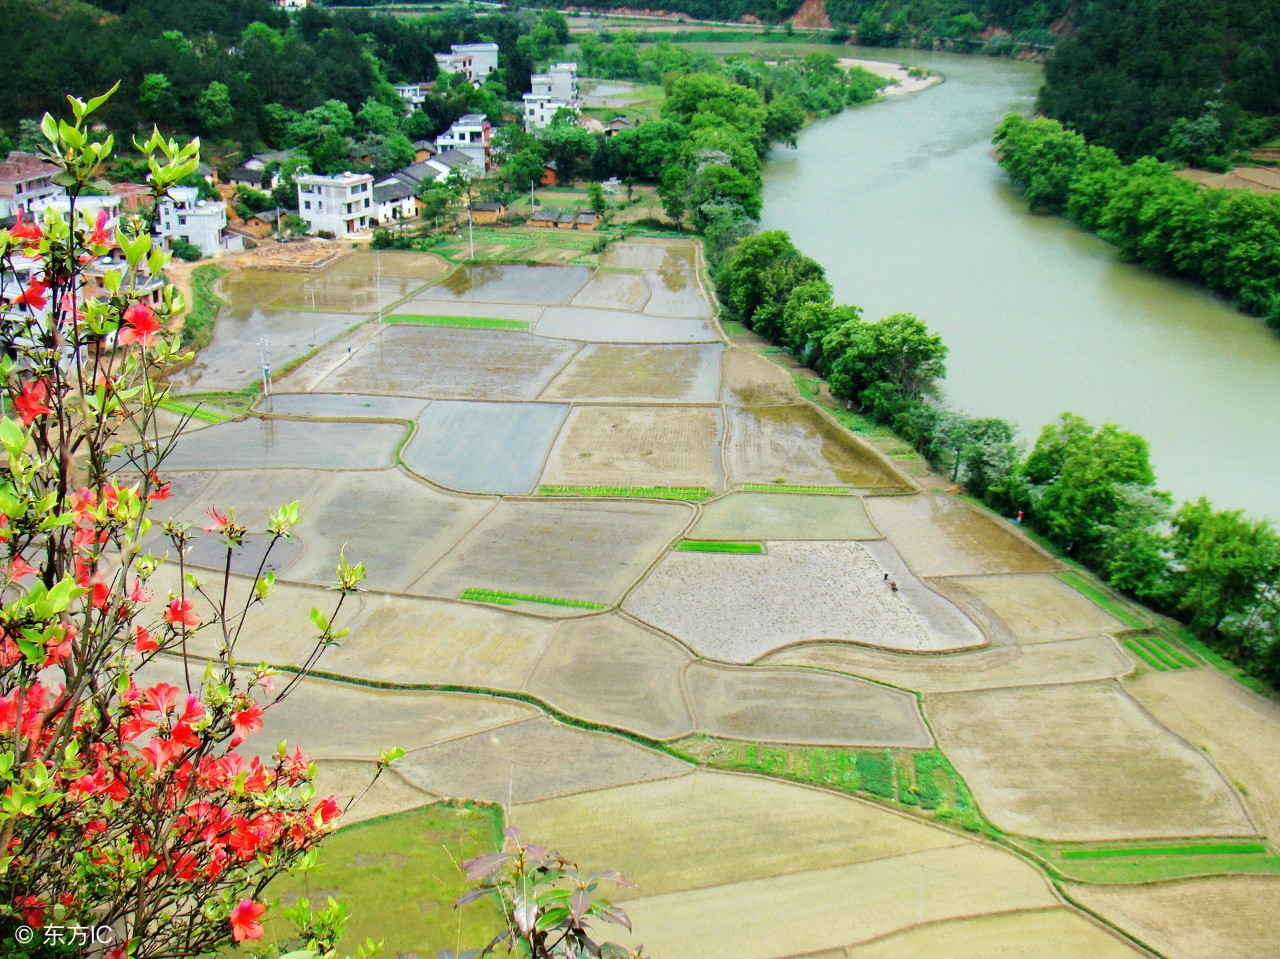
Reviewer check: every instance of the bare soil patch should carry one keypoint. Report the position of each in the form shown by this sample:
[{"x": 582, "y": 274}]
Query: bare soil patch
[
  {"x": 802, "y": 706},
  {"x": 392, "y": 263},
  {"x": 773, "y": 516},
  {"x": 753, "y": 381},
  {"x": 533, "y": 760},
  {"x": 1237, "y": 728},
  {"x": 451, "y": 364},
  {"x": 1080, "y": 763},
  {"x": 736, "y": 608},
  {"x": 1039, "y": 608},
  {"x": 1236, "y": 917},
  {"x": 614, "y": 326},
  {"x": 614, "y": 291},
  {"x": 676, "y": 293},
  {"x": 635, "y": 446},
  {"x": 797, "y": 445},
  {"x": 688, "y": 374},
  {"x": 608, "y": 669},
  {"x": 940, "y": 535}
]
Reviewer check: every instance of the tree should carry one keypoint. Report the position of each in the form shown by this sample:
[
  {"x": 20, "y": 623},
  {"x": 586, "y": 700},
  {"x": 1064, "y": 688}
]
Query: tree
[
  {"x": 599, "y": 205},
  {"x": 886, "y": 364},
  {"x": 568, "y": 145},
  {"x": 155, "y": 98},
  {"x": 126, "y": 807},
  {"x": 672, "y": 190},
  {"x": 214, "y": 107}
]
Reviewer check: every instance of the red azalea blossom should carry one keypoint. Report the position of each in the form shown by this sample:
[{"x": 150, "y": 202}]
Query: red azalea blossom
[
  {"x": 31, "y": 401},
  {"x": 220, "y": 520},
  {"x": 20, "y": 569},
  {"x": 28, "y": 230},
  {"x": 181, "y": 612},
  {"x": 159, "y": 488},
  {"x": 100, "y": 236},
  {"x": 144, "y": 643},
  {"x": 248, "y": 720},
  {"x": 34, "y": 296},
  {"x": 244, "y": 920},
  {"x": 140, "y": 326}
]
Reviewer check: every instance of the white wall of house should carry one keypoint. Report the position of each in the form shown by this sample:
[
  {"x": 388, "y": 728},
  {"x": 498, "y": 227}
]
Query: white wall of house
[
  {"x": 186, "y": 217},
  {"x": 539, "y": 109},
  {"x": 560, "y": 81},
  {"x": 340, "y": 205}
]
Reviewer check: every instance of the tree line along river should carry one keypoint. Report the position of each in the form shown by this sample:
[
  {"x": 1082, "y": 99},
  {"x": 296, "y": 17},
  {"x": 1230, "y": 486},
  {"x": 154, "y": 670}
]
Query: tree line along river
[{"x": 905, "y": 207}]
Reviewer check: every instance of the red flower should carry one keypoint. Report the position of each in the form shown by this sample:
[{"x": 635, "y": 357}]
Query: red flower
[
  {"x": 144, "y": 642},
  {"x": 20, "y": 569},
  {"x": 31, "y": 401},
  {"x": 248, "y": 720},
  {"x": 34, "y": 296},
  {"x": 160, "y": 752},
  {"x": 244, "y": 920},
  {"x": 181, "y": 612},
  {"x": 326, "y": 812},
  {"x": 161, "y": 698},
  {"x": 159, "y": 489},
  {"x": 28, "y": 230},
  {"x": 99, "y": 236},
  {"x": 141, "y": 325},
  {"x": 220, "y": 520}
]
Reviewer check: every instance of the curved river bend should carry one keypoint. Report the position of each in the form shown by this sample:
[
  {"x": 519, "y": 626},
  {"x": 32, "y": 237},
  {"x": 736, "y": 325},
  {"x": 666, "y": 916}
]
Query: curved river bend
[{"x": 904, "y": 206}]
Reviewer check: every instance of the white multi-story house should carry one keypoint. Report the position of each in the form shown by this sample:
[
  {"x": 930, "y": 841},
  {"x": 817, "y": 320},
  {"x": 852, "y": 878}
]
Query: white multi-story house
[
  {"x": 539, "y": 109},
  {"x": 471, "y": 135},
  {"x": 560, "y": 81},
  {"x": 475, "y": 61},
  {"x": 414, "y": 95},
  {"x": 87, "y": 208},
  {"x": 184, "y": 216},
  {"x": 25, "y": 179},
  {"x": 340, "y": 205}
]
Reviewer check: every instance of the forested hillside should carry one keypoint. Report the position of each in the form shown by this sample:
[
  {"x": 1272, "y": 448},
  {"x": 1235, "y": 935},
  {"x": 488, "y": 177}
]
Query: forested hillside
[{"x": 1186, "y": 80}]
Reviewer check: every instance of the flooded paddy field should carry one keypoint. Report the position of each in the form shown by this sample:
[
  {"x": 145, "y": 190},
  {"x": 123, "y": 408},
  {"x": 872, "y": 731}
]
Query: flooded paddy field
[
  {"x": 676, "y": 293},
  {"x": 670, "y": 255},
  {"x": 614, "y": 291},
  {"x": 262, "y": 443},
  {"x": 688, "y": 374},
  {"x": 488, "y": 283},
  {"x": 343, "y": 406},
  {"x": 750, "y": 380},
  {"x": 607, "y": 326},
  {"x": 484, "y": 447}
]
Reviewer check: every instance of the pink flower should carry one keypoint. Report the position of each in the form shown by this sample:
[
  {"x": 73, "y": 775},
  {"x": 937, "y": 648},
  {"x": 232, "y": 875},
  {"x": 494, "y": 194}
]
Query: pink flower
[
  {"x": 141, "y": 325},
  {"x": 181, "y": 612},
  {"x": 248, "y": 720},
  {"x": 244, "y": 920}
]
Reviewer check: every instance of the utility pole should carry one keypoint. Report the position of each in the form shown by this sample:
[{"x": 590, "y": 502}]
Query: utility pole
[
  {"x": 471, "y": 230},
  {"x": 264, "y": 355}
]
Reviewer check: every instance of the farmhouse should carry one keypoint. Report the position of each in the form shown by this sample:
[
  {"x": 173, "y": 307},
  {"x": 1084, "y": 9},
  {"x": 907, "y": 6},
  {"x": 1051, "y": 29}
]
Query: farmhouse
[{"x": 340, "y": 205}]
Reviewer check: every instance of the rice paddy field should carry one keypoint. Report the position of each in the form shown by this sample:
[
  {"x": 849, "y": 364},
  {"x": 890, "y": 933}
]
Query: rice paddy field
[{"x": 632, "y": 592}]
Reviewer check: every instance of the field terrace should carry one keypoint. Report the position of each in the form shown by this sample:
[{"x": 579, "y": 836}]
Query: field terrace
[{"x": 627, "y": 583}]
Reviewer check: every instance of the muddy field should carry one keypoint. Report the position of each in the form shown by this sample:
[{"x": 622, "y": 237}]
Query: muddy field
[
  {"x": 636, "y": 446},
  {"x": 283, "y": 444},
  {"x": 489, "y": 283},
  {"x": 796, "y": 444},
  {"x": 769, "y": 516},
  {"x": 1039, "y": 608},
  {"x": 1115, "y": 773},
  {"x": 614, "y": 291},
  {"x": 639, "y": 255},
  {"x": 611, "y": 326},
  {"x": 736, "y": 608},
  {"x": 753, "y": 381},
  {"x": 940, "y": 535},
  {"x": 676, "y": 293},
  {"x": 687, "y": 374},
  {"x": 451, "y": 364},
  {"x": 342, "y": 406}
]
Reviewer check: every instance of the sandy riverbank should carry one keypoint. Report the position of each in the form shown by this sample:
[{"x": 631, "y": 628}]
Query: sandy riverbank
[{"x": 903, "y": 81}]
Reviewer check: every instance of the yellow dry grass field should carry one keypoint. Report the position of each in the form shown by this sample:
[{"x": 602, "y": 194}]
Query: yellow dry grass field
[
  {"x": 1039, "y": 608},
  {"x": 606, "y": 371},
  {"x": 836, "y": 906},
  {"x": 635, "y": 446},
  {"x": 797, "y": 445},
  {"x": 1236, "y": 728},
  {"x": 710, "y": 829},
  {"x": 1070, "y": 661},
  {"x": 1236, "y": 917},
  {"x": 608, "y": 669},
  {"x": 590, "y": 550},
  {"x": 451, "y": 364},
  {"x": 750, "y": 380},
  {"x": 736, "y": 608},
  {"x": 533, "y": 760},
  {"x": 939, "y": 535},
  {"x": 1080, "y": 763},
  {"x": 1014, "y": 935},
  {"x": 398, "y": 639},
  {"x": 771, "y": 516},
  {"x": 802, "y": 706}
]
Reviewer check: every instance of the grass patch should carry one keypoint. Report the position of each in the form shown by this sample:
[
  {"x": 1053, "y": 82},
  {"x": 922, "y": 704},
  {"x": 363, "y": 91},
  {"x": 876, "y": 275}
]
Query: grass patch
[
  {"x": 715, "y": 546},
  {"x": 503, "y": 598},
  {"x": 1145, "y": 655},
  {"x": 197, "y": 326},
  {"x": 1102, "y": 598},
  {"x": 196, "y": 412},
  {"x": 788, "y": 488},
  {"x": 235, "y": 404},
  {"x": 644, "y": 492},
  {"x": 1151, "y": 862},
  {"x": 1195, "y": 849},
  {"x": 400, "y": 874},
  {"x": 456, "y": 322},
  {"x": 1158, "y": 652}
]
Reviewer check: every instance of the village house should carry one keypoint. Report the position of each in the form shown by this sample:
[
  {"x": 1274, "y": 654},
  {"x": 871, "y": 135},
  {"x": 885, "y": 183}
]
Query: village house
[
  {"x": 394, "y": 201},
  {"x": 341, "y": 205},
  {"x": 184, "y": 216},
  {"x": 24, "y": 180},
  {"x": 540, "y": 110},
  {"x": 414, "y": 95},
  {"x": 488, "y": 212},
  {"x": 424, "y": 150},
  {"x": 560, "y": 81},
  {"x": 618, "y": 124},
  {"x": 87, "y": 207},
  {"x": 265, "y": 223},
  {"x": 292, "y": 4},
  {"x": 253, "y": 172},
  {"x": 475, "y": 61},
  {"x": 471, "y": 135}
]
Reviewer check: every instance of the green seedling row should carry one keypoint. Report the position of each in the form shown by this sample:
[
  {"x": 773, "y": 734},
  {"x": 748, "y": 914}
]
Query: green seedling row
[
  {"x": 1196, "y": 849},
  {"x": 1147, "y": 657},
  {"x": 712, "y": 546},
  {"x": 646, "y": 492},
  {"x": 456, "y": 322},
  {"x": 508, "y": 599},
  {"x": 788, "y": 488},
  {"x": 1171, "y": 651}
]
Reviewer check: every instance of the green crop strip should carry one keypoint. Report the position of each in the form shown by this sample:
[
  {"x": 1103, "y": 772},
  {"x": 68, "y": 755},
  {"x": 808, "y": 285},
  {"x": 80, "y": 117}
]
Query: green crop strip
[
  {"x": 504, "y": 598},
  {"x": 1086, "y": 588},
  {"x": 645, "y": 492},
  {"x": 712, "y": 546},
  {"x": 1146, "y": 656},
  {"x": 788, "y": 488},
  {"x": 197, "y": 326},
  {"x": 456, "y": 322},
  {"x": 202, "y": 413},
  {"x": 1196, "y": 849}
]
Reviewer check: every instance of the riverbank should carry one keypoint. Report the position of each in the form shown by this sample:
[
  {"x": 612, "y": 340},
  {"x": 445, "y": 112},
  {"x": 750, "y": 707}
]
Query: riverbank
[{"x": 904, "y": 80}]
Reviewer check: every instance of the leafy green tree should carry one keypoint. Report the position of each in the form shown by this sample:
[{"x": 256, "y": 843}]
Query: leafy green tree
[
  {"x": 673, "y": 191},
  {"x": 784, "y": 119},
  {"x": 214, "y": 107},
  {"x": 377, "y": 118},
  {"x": 897, "y": 357},
  {"x": 569, "y": 145},
  {"x": 599, "y": 205},
  {"x": 156, "y": 101}
]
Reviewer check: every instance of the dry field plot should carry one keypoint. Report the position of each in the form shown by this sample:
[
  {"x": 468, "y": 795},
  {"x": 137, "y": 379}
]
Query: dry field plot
[
  {"x": 1235, "y": 917},
  {"x": 451, "y": 364},
  {"x": 676, "y": 293},
  {"x": 1039, "y": 608},
  {"x": 607, "y": 669},
  {"x": 308, "y": 376},
  {"x": 940, "y": 535},
  {"x": 771, "y": 516},
  {"x": 1081, "y": 763},
  {"x": 614, "y": 291},
  {"x": 254, "y": 289},
  {"x": 1015, "y": 935},
  {"x": 832, "y": 907},
  {"x": 266, "y": 443},
  {"x": 708, "y": 829},
  {"x": 488, "y": 283},
  {"x": 612, "y": 326},
  {"x": 1071, "y": 661},
  {"x": 688, "y": 374},
  {"x": 802, "y": 706},
  {"x": 533, "y": 760},
  {"x": 753, "y": 381},
  {"x": 1237, "y": 729},
  {"x": 400, "y": 264},
  {"x": 571, "y": 550},
  {"x": 347, "y": 293},
  {"x": 484, "y": 447},
  {"x": 395, "y": 639},
  {"x": 651, "y": 255},
  {"x": 797, "y": 445},
  {"x": 636, "y": 446},
  {"x": 736, "y": 608}
]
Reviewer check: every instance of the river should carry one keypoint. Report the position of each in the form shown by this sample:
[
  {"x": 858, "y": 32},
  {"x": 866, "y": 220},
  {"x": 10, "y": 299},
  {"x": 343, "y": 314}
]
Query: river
[{"x": 904, "y": 206}]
